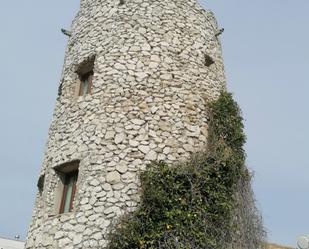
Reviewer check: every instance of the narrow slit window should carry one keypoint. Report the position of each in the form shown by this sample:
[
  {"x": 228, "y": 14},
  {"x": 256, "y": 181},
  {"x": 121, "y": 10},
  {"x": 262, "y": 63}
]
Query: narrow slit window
[
  {"x": 69, "y": 190},
  {"x": 86, "y": 84},
  {"x": 41, "y": 183},
  {"x": 85, "y": 72},
  {"x": 67, "y": 186}
]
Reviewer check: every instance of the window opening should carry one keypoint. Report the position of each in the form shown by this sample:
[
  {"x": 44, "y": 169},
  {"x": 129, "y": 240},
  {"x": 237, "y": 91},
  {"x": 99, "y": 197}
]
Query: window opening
[
  {"x": 69, "y": 190},
  {"x": 41, "y": 183},
  {"x": 86, "y": 83},
  {"x": 208, "y": 61},
  {"x": 60, "y": 89},
  {"x": 85, "y": 74},
  {"x": 68, "y": 174}
]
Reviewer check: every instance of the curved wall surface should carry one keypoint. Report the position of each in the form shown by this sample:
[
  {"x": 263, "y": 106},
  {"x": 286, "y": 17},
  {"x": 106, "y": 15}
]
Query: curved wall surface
[{"x": 156, "y": 64}]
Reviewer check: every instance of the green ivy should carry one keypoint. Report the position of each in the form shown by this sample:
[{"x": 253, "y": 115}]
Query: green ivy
[{"x": 190, "y": 205}]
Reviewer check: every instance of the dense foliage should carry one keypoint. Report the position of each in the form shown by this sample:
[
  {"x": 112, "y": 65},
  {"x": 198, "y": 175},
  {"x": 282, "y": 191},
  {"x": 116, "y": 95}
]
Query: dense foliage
[{"x": 191, "y": 205}]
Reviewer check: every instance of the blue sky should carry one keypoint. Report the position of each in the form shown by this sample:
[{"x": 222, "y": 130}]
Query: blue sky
[{"x": 266, "y": 55}]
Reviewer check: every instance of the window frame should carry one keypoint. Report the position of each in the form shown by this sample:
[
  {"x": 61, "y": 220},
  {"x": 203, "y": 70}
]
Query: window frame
[
  {"x": 67, "y": 179},
  {"x": 65, "y": 172},
  {"x": 85, "y": 72}
]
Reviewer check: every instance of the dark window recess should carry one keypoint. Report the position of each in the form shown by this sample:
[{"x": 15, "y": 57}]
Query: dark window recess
[
  {"x": 121, "y": 2},
  {"x": 85, "y": 73},
  {"x": 68, "y": 175},
  {"x": 85, "y": 83},
  {"x": 41, "y": 183},
  {"x": 60, "y": 89},
  {"x": 69, "y": 190},
  {"x": 208, "y": 61}
]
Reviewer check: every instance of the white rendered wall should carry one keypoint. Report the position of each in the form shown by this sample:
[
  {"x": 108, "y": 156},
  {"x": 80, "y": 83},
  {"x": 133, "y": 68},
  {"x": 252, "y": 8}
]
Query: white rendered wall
[{"x": 11, "y": 244}]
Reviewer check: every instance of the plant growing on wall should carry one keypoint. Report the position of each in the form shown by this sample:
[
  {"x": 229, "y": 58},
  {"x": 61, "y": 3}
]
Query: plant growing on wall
[{"x": 205, "y": 202}]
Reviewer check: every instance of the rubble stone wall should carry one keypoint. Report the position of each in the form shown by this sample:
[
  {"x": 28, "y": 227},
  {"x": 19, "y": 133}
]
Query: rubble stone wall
[{"x": 151, "y": 85}]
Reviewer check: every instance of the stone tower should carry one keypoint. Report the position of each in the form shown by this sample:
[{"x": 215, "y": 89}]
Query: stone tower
[{"x": 135, "y": 84}]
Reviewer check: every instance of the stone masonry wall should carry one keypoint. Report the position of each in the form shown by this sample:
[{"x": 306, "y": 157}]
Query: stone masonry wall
[{"x": 149, "y": 100}]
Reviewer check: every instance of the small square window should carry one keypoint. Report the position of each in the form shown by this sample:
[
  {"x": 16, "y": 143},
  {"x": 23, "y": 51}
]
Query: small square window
[{"x": 85, "y": 83}]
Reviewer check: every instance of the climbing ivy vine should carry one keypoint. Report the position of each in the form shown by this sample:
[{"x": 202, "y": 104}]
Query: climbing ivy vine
[{"x": 192, "y": 204}]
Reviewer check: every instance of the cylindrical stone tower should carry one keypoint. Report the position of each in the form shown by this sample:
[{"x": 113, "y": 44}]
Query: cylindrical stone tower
[{"x": 137, "y": 77}]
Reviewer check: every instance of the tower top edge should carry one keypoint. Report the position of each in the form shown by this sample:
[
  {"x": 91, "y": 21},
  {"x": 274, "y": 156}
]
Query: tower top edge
[
  {"x": 94, "y": 7},
  {"x": 97, "y": 3}
]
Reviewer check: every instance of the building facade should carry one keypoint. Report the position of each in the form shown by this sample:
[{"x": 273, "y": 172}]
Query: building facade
[
  {"x": 136, "y": 81},
  {"x": 11, "y": 244}
]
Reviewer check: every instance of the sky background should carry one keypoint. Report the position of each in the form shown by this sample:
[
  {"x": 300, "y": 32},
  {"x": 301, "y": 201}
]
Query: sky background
[{"x": 266, "y": 53}]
